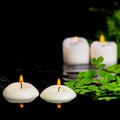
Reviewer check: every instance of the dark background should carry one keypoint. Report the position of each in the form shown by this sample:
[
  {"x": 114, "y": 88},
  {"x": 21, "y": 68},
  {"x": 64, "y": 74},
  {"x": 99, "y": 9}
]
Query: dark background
[{"x": 32, "y": 32}]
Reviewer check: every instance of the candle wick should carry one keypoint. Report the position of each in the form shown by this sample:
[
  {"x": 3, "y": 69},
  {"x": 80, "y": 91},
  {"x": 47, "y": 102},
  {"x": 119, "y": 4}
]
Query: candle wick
[
  {"x": 59, "y": 89},
  {"x": 21, "y": 85}
]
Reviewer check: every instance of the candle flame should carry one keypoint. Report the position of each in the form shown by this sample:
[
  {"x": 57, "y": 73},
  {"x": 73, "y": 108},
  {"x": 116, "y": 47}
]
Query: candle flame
[
  {"x": 59, "y": 105},
  {"x": 21, "y": 105},
  {"x": 102, "y": 38},
  {"x": 58, "y": 81},
  {"x": 75, "y": 39},
  {"x": 21, "y": 78}
]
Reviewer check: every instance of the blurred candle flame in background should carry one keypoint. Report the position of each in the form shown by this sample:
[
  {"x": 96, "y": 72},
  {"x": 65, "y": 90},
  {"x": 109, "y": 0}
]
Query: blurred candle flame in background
[
  {"x": 102, "y": 38},
  {"x": 75, "y": 39}
]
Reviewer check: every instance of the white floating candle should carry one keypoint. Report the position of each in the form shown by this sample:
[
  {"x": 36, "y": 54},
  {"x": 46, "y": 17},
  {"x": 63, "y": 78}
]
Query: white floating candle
[
  {"x": 75, "y": 51},
  {"x": 20, "y": 92},
  {"x": 58, "y": 94},
  {"x": 106, "y": 49}
]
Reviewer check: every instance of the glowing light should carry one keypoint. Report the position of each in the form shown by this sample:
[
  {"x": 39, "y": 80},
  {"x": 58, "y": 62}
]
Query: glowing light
[
  {"x": 59, "y": 106},
  {"x": 21, "y": 105},
  {"x": 102, "y": 38},
  {"x": 58, "y": 81},
  {"x": 75, "y": 39},
  {"x": 21, "y": 78}
]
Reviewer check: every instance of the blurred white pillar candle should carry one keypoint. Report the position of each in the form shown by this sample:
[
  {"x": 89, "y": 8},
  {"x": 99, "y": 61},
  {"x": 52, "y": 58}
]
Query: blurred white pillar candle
[
  {"x": 106, "y": 49},
  {"x": 75, "y": 51},
  {"x": 58, "y": 93},
  {"x": 20, "y": 92}
]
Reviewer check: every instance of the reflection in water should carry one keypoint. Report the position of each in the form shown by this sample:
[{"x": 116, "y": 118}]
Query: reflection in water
[{"x": 70, "y": 71}]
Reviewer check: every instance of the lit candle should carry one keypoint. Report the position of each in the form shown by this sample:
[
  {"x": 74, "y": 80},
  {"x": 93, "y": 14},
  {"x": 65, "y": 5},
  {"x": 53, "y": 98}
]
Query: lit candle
[
  {"x": 58, "y": 94},
  {"x": 20, "y": 92},
  {"x": 106, "y": 49},
  {"x": 75, "y": 51}
]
